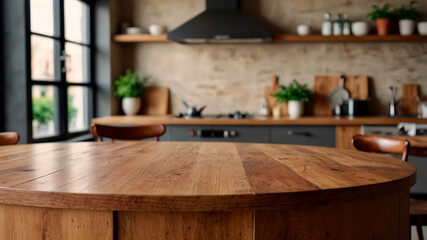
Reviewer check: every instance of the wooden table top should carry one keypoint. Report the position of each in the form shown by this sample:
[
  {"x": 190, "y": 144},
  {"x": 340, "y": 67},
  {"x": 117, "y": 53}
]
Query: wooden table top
[
  {"x": 306, "y": 120},
  {"x": 190, "y": 176}
]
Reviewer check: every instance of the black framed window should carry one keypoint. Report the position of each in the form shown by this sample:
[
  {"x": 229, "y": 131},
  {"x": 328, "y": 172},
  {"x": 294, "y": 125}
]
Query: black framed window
[
  {"x": 1, "y": 71},
  {"x": 60, "y": 77}
]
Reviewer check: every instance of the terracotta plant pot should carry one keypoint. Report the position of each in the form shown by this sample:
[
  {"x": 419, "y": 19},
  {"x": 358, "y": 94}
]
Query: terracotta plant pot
[{"x": 383, "y": 26}]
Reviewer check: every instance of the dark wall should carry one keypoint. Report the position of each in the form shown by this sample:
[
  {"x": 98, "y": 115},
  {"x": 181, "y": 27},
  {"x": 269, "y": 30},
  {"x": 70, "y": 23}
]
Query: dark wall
[
  {"x": 1, "y": 68},
  {"x": 102, "y": 58},
  {"x": 15, "y": 68}
]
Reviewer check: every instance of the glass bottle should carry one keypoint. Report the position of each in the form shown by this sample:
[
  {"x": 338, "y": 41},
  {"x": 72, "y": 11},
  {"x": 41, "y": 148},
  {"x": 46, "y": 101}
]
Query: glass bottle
[
  {"x": 263, "y": 108},
  {"x": 327, "y": 25},
  {"x": 346, "y": 25},
  {"x": 337, "y": 25}
]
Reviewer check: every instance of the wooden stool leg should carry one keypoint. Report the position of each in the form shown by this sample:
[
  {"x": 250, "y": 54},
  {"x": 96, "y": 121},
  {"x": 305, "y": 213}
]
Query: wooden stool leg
[{"x": 420, "y": 232}]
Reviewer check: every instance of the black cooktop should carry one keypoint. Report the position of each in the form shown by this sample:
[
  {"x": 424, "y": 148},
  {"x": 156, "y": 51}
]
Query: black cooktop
[{"x": 235, "y": 115}]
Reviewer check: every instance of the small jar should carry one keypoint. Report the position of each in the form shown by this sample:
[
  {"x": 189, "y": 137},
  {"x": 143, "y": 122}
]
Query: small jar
[
  {"x": 277, "y": 111},
  {"x": 346, "y": 25},
  {"x": 337, "y": 25},
  {"x": 327, "y": 25}
]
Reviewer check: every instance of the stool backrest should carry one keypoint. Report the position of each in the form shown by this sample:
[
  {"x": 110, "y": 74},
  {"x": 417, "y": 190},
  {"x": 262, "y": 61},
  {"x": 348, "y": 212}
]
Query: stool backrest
[
  {"x": 381, "y": 144},
  {"x": 127, "y": 132},
  {"x": 9, "y": 138}
]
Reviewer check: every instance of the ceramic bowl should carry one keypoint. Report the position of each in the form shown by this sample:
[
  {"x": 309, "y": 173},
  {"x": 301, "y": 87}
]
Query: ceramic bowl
[
  {"x": 133, "y": 30},
  {"x": 156, "y": 29},
  {"x": 303, "y": 30},
  {"x": 422, "y": 28},
  {"x": 360, "y": 28}
]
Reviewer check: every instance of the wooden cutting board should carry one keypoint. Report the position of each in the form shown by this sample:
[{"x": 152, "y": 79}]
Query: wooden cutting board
[
  {"x": 409, "y": 102},
  {"x": 357, "y": 86},
  {"x": 155, "y": 101},
  {"x": 271, "y": 101}
]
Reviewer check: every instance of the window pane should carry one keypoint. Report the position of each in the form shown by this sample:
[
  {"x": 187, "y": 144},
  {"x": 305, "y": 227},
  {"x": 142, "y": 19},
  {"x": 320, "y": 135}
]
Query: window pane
[
  {"x": 42, "y": 16},
  {"x": 78, "y": 109},
  {"x": 76, "y": 21},
  {"x": 77, "y": 63},
  {"x": 45, "y": 111},
  {"x": 44, "y": 61}
]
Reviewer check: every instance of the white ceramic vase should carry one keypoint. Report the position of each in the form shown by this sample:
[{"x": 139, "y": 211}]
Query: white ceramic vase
[
  {"x": 422, "y": 28},
  {"x": 295, "y": 109},
  {"x": 406, "y": 27},
  {"x": 131, "y": 105}
]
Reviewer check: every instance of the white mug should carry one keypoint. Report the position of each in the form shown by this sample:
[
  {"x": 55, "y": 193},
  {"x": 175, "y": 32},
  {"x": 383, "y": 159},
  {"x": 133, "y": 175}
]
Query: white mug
[
  {"x": 303, "y": 30},
  {"x": 360, "y": 28},
  {"x": 133, "y": 30},
  {"x": 156, "y": 29},
  {"x": 422, "y": 28}
]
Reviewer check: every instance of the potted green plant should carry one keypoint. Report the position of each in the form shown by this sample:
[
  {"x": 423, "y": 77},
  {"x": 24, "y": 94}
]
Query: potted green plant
[
  {"x": 407, "y": 14},
  {"x": 129, "y": 88},
  {"x": 43, "y": 113},
  {"x": 72, "y": 112},
  {"x": 295, "y": 94},
  {"x": 382, "y": 17}
]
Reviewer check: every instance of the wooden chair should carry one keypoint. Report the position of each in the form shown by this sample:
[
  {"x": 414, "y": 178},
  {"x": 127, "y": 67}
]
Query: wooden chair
[
  {"x": 127, "y": 132},
  {"x": 9, "y": 138},
  {"x": 380, "y": 144}
]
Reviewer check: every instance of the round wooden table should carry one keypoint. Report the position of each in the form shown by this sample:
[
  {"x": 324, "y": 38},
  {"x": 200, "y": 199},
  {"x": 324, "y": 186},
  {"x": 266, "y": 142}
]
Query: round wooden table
[{"x": 184, "y": 190}]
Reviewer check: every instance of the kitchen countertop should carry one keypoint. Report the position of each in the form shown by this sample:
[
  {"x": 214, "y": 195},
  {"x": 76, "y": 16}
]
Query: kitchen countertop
[
  {"x": 307, "y": 120},
  {"x": 418, "y": 145}
]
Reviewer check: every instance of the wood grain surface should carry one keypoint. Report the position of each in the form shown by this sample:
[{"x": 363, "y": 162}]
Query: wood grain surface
[
  {"x": 344, "y": 134},
  {"x": 232, "y": 225},
  {"x": 307, "y": 120},
  {"x": 409, "y": 101},
  {"x": 187, "y": 176},
  {"x": 357, "y": 86},
  {"x": 366, "y": 219},
  {"x": 271, "y": 101},
  {"x": 155, "y": 101},
  {"x": 143, "y": 37},
  {"x": 21, "y": 222}
]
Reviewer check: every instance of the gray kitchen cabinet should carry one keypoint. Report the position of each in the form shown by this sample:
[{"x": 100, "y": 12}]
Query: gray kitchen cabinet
[
  {"x": 420, "y": 187},
  {"x": 299, "y": 135},
  {"x": 303, "y": 135},
  {"x": 215, "y": 133}
]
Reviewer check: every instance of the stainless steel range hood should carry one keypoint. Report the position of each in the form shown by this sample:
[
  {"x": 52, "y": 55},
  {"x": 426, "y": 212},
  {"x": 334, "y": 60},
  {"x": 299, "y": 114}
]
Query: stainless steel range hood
[{"x": 222, "y": 22}]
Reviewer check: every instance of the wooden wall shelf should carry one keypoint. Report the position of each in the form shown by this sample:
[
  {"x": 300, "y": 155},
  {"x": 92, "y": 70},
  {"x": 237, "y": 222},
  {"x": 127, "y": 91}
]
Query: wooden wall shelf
[
  {"x": 135, "y": 38},
  {"x": 285, "y": 38}
]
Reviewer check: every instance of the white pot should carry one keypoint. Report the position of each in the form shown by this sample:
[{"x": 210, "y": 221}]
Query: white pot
[
  {"x": 156, "y": 29},
  {"x": 360, "y": 28},
  {"x": 406, "y": 27},
  {"x": 303, "y": 30},
  {"x": 422, "y": 28},
  {"x": 295, "y": 109},
  {"x": 133, "y": 30},
  {"x": 131, "y": 105}
]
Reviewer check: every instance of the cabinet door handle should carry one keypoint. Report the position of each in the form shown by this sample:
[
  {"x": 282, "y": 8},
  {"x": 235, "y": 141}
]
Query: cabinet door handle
[{"x": 306, "y": 134}]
